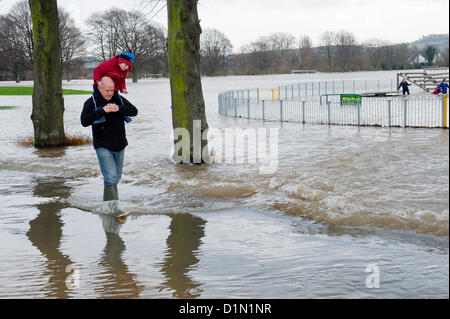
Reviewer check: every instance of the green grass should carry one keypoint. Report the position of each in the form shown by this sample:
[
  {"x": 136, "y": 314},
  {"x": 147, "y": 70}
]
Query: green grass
[
  {"x": 16, "y": 90},
  {"x": 7, "y": 107}
]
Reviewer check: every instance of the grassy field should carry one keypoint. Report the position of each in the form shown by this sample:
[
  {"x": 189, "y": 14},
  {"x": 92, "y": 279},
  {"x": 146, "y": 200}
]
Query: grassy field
[{"x": 16, "y": 90}]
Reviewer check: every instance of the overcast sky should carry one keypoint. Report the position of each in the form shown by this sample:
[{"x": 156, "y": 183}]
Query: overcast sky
[{"x": 243, "y": 21}]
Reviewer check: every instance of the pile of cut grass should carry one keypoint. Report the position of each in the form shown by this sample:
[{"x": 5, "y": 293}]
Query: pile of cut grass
[{"x": 28, "y": 90}]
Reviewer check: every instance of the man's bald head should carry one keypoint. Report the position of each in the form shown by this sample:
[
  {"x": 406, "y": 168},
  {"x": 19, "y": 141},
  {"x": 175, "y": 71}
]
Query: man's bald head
[{"x": 106, "y": 88}]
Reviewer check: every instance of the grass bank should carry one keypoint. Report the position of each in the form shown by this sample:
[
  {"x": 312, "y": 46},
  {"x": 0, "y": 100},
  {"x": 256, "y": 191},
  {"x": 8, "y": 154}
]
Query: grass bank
[{"x": 27, "y": 90}]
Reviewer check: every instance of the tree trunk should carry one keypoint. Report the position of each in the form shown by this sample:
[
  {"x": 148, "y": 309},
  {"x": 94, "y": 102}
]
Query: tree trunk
[
  {"x": 135, "y": 74},
  {"x": 188, "y": 106},
  {"x": 48, "y": 102}
]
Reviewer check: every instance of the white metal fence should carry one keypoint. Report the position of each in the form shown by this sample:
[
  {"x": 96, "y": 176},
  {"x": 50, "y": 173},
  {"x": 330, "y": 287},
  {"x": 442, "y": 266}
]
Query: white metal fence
[{"x": 411, "y": 111}]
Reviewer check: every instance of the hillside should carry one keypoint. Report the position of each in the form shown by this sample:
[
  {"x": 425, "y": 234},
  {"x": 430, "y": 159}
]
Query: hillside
[{"x": 440, "y": 41}]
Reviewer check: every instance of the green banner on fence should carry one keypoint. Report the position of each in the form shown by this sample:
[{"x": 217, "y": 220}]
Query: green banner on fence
[{"x": 350, "y": 99}]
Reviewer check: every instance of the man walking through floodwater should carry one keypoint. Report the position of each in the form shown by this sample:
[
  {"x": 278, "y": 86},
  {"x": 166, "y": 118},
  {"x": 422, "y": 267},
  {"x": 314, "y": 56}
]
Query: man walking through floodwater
[{"x": 109, "y": 136}]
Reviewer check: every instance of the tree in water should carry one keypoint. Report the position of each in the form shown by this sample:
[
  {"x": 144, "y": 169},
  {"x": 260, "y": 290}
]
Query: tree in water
[
  {"x": 188, "y": 105},
  {"x": 48, "y": 102}
]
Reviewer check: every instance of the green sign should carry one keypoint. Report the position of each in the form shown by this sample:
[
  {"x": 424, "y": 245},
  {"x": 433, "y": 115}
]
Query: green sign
[{"x": 350, "y": 99}]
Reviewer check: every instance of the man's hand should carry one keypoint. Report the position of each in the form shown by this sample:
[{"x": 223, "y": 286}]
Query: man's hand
[
  {"x": 111, "y": 108},
  {"x": 123, "y": 91}
]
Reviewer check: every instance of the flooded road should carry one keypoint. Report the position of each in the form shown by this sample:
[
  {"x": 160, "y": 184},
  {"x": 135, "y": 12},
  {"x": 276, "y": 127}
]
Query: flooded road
[{"x": 345, "y": 204}]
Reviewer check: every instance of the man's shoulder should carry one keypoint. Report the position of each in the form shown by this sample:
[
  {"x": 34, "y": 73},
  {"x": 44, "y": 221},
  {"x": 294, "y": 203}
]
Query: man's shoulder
[
  {"x": 89, "y": 101},
  {"x": 122, "y": 98}
]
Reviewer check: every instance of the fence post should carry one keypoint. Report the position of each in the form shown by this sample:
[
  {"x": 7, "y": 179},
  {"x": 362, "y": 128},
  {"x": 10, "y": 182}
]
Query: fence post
[
  {"x": 227, "y": 99},
  {"x": 389, "y": 113},
  {"x": 248, "y": 108},
  {"x": 281, "y": 110},
  {"x": 263, "y": 110},
  {"x": 292, "y": 90},
  {"x": 235, "y": 106},
  {"x": 444, "y": 110},
  {"x": 329, "y": 113},
  {"x": 359, "y": 114},
  {"x": 405, "y": 107},
  {"x": 303, "y": 111}
]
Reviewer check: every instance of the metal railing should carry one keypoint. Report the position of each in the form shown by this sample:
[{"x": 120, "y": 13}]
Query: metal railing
[{"x": 411, "y": 111}]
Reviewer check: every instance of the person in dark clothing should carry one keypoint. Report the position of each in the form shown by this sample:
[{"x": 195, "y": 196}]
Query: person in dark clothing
[
  {"x": 443, "y": 86},
  {"x": 109, "y": 136},
  {"x": 404, "y": 84}
]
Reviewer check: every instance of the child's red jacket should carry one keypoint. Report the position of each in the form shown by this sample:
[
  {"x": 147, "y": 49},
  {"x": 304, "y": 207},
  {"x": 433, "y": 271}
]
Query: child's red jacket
[{"x": 112, "y": 69}]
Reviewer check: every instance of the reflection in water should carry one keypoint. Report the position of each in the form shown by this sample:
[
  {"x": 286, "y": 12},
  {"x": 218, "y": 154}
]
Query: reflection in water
[
  {"x": 186, "y": 232},
  {"x": 45, "y": 234},
  {"x": 50, "y": 152},
  {"x": 117, "y": 281}
]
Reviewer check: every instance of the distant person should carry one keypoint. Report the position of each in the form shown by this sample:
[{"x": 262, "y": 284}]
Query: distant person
[
  {"x": 116, "y": 68},
  {"x": 443, "y": 86},
  {"x": 109, "y": 136},
  {"x": 405, "y": 86},
  {"x": 437, "y": 90}
]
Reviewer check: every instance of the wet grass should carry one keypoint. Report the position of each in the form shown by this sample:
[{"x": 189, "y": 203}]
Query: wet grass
[
  {"x": 72, "y": 140},
  {"x": 28, "y": 90}
]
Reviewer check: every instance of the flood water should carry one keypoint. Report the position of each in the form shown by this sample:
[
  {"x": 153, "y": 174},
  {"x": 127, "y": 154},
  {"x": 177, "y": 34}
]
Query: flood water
[{"x": 345, "y": 204}]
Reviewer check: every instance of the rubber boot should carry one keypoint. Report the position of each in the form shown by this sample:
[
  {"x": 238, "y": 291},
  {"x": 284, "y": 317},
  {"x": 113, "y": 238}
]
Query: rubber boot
[
  {"x": 110, "y": 193},
  {"x": 111, "y": 197}
]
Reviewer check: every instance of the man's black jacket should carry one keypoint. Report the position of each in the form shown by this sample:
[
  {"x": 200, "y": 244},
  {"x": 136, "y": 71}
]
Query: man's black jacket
[{"x": 111, "y": 133}]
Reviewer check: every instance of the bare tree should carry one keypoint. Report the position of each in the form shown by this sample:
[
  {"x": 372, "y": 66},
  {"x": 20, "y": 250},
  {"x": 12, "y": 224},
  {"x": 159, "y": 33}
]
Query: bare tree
[
  {"x": 375, "y": 52},
  {"x": 260, "y": 56},
  {"x": 13, "y": 59},
  {"x": 116, "y": 30},
  {"x": 307, "y": 54},
  {"x": 347, "y": 51},
  {"x": 153, "y": 56},
  {"x": 104, "y": 33},
  {"x": 20, "y": 16},
  {"x": 327, "y": 40},
  {"x": 16, "y": 40},
  {"x": 214, "y": 47},
  {"x": 281, "y": 42},
  {"x": 72, "y": 41}
]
